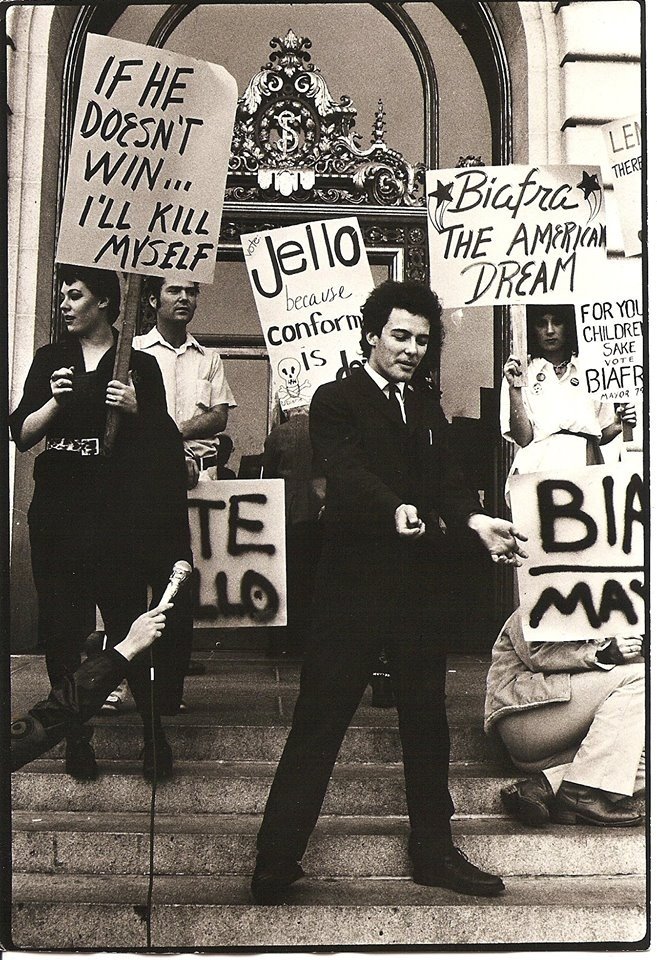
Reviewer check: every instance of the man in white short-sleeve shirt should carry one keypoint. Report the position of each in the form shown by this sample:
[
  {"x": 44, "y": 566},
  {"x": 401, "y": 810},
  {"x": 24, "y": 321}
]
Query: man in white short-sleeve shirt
[{"x": 198, "y": 394}]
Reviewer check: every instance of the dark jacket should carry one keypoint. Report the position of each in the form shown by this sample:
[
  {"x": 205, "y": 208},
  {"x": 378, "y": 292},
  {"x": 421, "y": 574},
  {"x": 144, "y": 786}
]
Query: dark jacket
[
  {"x": 373, "y": 463},
  {"x": 135, "y": 500}
]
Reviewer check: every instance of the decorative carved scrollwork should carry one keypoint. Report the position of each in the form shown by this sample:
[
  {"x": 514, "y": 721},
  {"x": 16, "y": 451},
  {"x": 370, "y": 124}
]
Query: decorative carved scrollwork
[{"x": 292, "y": 139}]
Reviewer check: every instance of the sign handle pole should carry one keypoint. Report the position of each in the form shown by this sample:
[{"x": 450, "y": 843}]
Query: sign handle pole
[
  {"x": 123, "y": 348},
  {"x": 519, "y": 340}
]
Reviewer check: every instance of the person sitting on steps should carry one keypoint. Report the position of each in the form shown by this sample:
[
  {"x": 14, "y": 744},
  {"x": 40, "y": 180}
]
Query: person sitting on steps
[{"x": 572, "y": 715}]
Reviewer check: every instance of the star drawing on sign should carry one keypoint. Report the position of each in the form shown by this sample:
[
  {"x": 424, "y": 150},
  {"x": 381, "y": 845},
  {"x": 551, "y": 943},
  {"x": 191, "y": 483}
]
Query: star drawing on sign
[
  {"x": 443, "y": 195},
  {"x": 590, "y": 187},
  {"x": 442, "y": 191},
  {"x": 589, "y": 184}
]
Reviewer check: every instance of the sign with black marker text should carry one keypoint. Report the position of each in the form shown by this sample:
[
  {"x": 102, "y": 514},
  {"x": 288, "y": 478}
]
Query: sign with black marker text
[
  {"x": 515, "y": 234},
  {"x": 610, "y": 339},
  {"x": 238, "y": 541},
  {"x": 623, "y": 142},
  {"x": 584, "y": 577},
  {"x": 148, "y": 164},
  {"x": 309, "y": 282}
]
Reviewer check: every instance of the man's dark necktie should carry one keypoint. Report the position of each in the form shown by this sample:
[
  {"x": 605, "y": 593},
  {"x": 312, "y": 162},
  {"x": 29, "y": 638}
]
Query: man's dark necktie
[{"x": 393, "y": 394}]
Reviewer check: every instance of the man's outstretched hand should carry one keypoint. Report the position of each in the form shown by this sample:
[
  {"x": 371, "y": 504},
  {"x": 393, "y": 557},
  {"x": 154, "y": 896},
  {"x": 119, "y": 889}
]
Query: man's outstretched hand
[
  {"x": 407, "y": 521},
  {"x": 499, "y": 537}
]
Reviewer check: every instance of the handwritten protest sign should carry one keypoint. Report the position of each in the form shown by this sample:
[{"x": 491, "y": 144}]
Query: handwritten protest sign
[
  {"x": 309, "y": 282},
  {"x": 610, "y": 338},
  {"x": 515, "y": 234},
  {"x": 238, "y": 541},
  {"x": 585, "y": 574},
  {"x": 148, "y": 163},
  {"x": 623, "y": 142}
]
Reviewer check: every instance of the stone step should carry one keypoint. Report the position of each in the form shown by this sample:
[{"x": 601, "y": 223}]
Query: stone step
[
  {"x": 64, "y": 913},
  {"x": 214, "y": 844},
  {"x": 241, "y": 709},
  {"x": 195, "y": 739},
  {"x": 244, "y": 683},
  {"x": 356, "y": 789}
]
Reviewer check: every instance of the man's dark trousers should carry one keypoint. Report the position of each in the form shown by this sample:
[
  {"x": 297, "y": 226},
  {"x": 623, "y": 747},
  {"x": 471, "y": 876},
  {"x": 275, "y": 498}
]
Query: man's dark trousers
[
  {"x": 335, "y": 675},
  {"x": 374, "y": 589}
]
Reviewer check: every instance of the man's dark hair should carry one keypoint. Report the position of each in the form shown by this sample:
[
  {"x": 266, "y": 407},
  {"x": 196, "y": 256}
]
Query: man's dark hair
[
  {"x": 565, "y": 312},
  {"x": 104, "y": 284},
  {"x": 409, "y": 295},
  {"x": 153, "y": 287}
]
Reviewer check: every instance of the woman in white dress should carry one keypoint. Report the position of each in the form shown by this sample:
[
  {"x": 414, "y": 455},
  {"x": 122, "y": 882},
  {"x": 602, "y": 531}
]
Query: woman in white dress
[{"x": 553, "y": 420}]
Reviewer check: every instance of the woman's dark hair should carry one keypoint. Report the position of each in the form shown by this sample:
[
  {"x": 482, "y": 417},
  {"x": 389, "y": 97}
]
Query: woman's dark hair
[
  {"x": 565, "y": 312},
  {"x": 104, "y": 284},
  {"x": 408, "y": 295}
]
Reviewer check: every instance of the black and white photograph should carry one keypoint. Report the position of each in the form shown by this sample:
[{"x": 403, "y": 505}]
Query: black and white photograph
[{"x": 325, "y": 582}]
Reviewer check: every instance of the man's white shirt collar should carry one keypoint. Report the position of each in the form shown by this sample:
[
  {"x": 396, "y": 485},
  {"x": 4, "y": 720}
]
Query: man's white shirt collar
[
  {"x": 382, "y": 383},
  {"x": 154, "y": 336}
]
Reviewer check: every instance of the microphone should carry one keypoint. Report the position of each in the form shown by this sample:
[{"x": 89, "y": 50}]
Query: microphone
[{"x": 180, "y": 573}]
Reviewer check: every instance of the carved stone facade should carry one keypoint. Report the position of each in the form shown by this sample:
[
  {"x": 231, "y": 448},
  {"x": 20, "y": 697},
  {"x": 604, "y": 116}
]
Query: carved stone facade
[{"x": 293, "y": 140}]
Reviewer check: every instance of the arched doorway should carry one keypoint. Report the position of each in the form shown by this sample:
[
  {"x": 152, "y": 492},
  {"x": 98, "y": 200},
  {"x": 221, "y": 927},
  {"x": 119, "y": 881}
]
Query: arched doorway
[{"x": 457, "y": 48}]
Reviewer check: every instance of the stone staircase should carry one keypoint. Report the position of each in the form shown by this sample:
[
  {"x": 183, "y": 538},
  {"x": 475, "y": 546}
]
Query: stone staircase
[{"x": 81, "y": 851}]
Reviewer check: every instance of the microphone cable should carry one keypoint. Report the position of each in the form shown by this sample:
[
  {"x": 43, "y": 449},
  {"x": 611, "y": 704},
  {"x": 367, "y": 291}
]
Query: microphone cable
[
  {"x": 181, "y": 571},
  {"x": 151, "y": 835}
]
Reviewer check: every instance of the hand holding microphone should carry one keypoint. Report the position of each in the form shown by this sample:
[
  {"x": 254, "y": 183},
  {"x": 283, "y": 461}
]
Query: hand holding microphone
[
  {"x": 181, "y": 571},
  {"x": 144, "y": 631}
]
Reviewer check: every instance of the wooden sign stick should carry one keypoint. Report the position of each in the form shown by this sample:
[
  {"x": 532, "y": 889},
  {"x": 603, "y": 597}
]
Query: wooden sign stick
[
  {"x": 519, "y": 340},
  {"x": 123, "y": 348}
]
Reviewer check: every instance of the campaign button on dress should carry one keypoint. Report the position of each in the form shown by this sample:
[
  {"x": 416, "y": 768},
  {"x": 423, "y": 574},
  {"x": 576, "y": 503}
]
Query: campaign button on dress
[
  {"x": 540, "y": 376},
  {"x": 574, "y": 381}
]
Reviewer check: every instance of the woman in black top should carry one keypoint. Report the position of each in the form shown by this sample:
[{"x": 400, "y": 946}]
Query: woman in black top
[{"x": 102, "y": 528}]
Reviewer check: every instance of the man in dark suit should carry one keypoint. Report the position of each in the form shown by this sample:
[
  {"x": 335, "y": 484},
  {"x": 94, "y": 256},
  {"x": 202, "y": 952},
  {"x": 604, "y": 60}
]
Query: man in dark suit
[{"x": 381, "y": 443}]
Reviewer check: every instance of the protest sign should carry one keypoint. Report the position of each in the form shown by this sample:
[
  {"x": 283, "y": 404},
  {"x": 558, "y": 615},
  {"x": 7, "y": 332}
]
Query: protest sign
[
  {"x": 148, "y": 162},
  {"x": 584, "y": 577},
  {"x": 309, "y": 282},
  {"x": 623, "y": 142},
  {"x": 238, "y": 541},
  {"x": 515, "y": 234},
  {"x": 610, "y": 339}
]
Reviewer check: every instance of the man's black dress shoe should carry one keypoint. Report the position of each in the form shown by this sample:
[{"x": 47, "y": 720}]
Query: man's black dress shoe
[
  {"x": 158, "y": 759},
  {"x": 454, "y": 871},
  {"x": 530, "y": 800},
  {"x": 80, "y": 757},
  {"x": 272, "y": 877}
]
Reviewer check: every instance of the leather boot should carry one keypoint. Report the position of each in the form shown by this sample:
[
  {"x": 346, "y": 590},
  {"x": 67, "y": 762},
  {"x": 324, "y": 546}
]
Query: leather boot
[
  {"x": 80, "y": 757},
  {"x": 530, "y": 800},
  {"x": 272, "y": 877},
  {"x": 576, "y": 803},
  {"x": 158, "y": 758}
]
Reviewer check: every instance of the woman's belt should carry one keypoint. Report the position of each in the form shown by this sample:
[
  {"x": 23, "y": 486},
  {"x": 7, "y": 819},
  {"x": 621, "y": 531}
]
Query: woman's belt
[
  {"x": 577, "y": 433},
  {"x": 86, "y": 447}
]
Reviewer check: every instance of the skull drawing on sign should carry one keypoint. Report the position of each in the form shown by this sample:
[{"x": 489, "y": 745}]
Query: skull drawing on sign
[
  {"x": 292, "y": 392},
  {"x": 288, "y": 370}
]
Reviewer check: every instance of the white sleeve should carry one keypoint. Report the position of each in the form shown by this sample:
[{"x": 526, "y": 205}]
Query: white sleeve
[
  {"x": 505, "y": 411},
  {"x": 605, "y": 413},
  {"x": 220, "y": 392}
]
